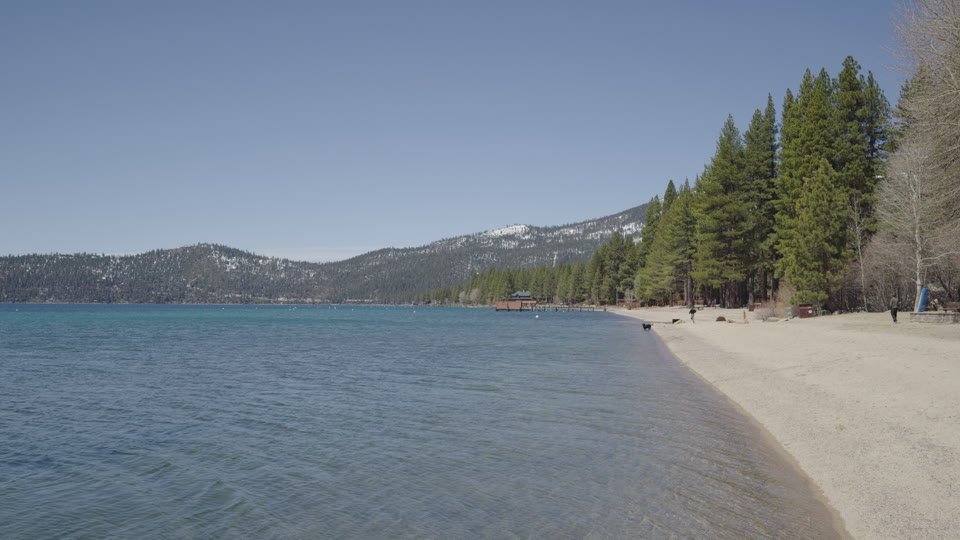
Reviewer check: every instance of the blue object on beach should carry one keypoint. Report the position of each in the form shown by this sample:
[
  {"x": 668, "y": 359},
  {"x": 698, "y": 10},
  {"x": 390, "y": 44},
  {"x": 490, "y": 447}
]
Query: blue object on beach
[{"x": 922, "y": 304}]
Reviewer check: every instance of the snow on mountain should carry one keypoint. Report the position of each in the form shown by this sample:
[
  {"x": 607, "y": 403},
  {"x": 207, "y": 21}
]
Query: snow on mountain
[{"x": 210, "y": 273}]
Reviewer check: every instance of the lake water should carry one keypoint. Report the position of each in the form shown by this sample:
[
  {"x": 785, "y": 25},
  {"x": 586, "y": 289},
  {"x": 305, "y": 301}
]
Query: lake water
[{"x": 372, "y": 422}]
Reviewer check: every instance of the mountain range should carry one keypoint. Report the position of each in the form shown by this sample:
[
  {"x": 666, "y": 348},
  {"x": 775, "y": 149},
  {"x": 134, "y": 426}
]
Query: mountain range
[{"x": 210, "y": 273}]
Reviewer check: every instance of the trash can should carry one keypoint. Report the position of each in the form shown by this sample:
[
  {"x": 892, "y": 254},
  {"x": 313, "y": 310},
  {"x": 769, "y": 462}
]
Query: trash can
[{"x": 806, "y": 311}]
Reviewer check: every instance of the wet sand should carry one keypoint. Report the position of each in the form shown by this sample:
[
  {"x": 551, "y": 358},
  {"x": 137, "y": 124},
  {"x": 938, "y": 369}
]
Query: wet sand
[{"x": 870, "y": 410}]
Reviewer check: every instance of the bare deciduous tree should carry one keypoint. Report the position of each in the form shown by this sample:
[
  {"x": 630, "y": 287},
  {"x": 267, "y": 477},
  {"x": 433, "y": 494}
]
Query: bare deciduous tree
[
  {"x": 919, "y": 200},
  {"x": 905, "y": 202},
  {"x": 911, "y": 214},
  {"x": 929, "y": 32},
  {"x": 890, "y": 272},
  {"x": 858, "y": 232}
]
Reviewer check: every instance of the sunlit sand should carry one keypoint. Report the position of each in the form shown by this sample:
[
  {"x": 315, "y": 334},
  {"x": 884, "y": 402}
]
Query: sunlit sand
[{"x": 870, "y": 410}]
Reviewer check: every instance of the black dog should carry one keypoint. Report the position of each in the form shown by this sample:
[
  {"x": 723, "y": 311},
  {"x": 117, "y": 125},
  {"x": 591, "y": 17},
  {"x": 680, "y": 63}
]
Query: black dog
[{"x": 646, "y": 326}]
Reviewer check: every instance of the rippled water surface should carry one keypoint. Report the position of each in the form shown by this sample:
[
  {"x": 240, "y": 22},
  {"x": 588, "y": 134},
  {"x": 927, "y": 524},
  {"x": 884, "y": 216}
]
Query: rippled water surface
[{"x": 315, "y": 422}]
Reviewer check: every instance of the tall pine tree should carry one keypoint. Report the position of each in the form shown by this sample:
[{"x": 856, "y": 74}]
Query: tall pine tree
[
  {"x": 813, "y": 255},
  {"x": 807, "y": 143},
  {"x": 649, "y": 232},
  {"x": 669, "y": 263},
  {"x": 721, "y": 212},
  {"x": 760, "y": 168}
]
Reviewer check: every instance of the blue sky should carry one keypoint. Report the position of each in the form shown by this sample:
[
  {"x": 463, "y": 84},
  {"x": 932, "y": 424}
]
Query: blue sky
[{"x": 320, "y": 130}]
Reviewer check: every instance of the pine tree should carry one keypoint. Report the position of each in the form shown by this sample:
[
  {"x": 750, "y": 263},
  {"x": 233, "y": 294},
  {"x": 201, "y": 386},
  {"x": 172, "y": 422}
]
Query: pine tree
[
  {"x": 851, "y": 157},
  {"x": 813, "y": 256},
  {"x": 719, "y": 259},
  {"x": 907, "y": 109},
  {"x": 616, "y": 258},
  {"x": 862, "y": 121},
  {"x": 669, "y": 196},
  {"x": 760, "y": 167},
  {"x": 843, "y": 121},
  {"x": 876, "y": 123},
  {"x": 503, "y": 286},
  {"x": 649, "y": 232},
  {"x": 806, "y": 137},
  {"x": 805, "y": 143},
  {"x": 595, "y": 274},
  {"x": 563, "y": 285},
  {"x": 578, "y": 283},
  {"x": 629, "y": 266},
  {"x": 668, "y": 265}
]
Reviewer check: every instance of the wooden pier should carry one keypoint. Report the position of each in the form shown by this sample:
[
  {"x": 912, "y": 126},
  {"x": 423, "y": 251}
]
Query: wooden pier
[{"x": 507, "y": 305}]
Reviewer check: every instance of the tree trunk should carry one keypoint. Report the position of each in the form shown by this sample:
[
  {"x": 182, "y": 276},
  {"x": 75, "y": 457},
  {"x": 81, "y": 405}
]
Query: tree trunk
[{"x": 917, "y": 247}]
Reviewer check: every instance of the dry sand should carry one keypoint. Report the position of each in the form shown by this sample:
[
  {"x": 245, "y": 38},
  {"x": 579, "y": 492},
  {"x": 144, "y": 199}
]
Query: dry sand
[{"x": 870, "y": 410}]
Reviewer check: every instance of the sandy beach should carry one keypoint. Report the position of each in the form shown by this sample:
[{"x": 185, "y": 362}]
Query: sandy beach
[{"x": 870, "y": 410}]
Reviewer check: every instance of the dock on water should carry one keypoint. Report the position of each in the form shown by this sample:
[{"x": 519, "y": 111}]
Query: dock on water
[
  {"x": 507, "y": 305},
  {"x": 524, "y": 301}
]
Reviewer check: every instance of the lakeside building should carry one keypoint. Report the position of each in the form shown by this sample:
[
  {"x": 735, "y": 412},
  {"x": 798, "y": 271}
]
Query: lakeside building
[{"x": 518, "y": 301}]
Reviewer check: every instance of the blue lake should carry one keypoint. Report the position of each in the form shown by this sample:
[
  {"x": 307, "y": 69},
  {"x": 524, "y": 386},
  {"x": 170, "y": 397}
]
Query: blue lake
[{"x": 372, "y": 422}]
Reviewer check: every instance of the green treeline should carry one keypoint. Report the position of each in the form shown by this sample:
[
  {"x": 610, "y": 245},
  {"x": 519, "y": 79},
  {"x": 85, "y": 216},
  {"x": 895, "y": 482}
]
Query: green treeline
[
  {"x": 782, "y": 207},
  {"x": 775, "y": 205},
  {"x": 601, "y": 280}
]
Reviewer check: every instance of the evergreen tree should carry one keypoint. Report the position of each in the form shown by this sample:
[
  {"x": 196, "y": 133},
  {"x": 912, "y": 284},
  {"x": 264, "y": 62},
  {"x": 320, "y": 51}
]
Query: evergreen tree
[
  {"x": 813, "y": 256},
  {"x": 805, "y": 143},
  {"x": 615, "y": 259},
  {"x": 564, "y": 277},
  {"x": 852, "y": 152},
  {"x": 760, "y": 168},
  {"x": 876, "y": 124},
  {"x": 807, "y": 128},
  {"x": 669, "y": 196},
  {"x": 719, "y": 259},
  {"x": 842, "y": 122},
  {"x": 907, "y": 110},
  {"x": 669, "y": 262},
  {"x": 628, "y": 267},
  {"x": 578, "y": 283},
  {"x": 503, "y": 286},
  {"x": 596, "y": 273},
  {"x": 862, "y": 122},
  {"x": 654, "y": 209}
]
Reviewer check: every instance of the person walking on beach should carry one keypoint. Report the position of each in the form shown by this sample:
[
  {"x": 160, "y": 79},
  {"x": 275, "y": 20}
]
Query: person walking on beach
[
  {"x": 693, "y": 311},
  {"x": 894, "y": 304}
]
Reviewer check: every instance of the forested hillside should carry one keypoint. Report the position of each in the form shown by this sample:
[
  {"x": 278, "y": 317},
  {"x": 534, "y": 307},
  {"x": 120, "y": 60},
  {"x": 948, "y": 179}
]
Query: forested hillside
[
  {"x": 209, "y": 273},
  {"x": 602, "y": 279},
  {"x": 811, "y": 208}
]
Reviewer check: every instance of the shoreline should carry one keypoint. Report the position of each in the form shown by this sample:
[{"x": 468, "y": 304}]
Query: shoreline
[{"x": 868, "y": 410}]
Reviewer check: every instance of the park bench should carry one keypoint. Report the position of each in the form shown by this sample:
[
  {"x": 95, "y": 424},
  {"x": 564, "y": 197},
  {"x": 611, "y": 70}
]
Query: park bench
[{"x": 951, "y": 306}]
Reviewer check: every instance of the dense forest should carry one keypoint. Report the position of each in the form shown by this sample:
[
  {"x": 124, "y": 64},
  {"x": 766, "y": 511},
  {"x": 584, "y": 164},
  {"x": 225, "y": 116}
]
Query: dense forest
[
  {"x": 842, "y": 202},
  {"x": 608, "y": 273}
]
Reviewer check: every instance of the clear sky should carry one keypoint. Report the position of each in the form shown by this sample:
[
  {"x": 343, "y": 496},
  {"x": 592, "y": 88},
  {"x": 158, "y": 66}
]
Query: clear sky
[{"x": 318, "y": 130}]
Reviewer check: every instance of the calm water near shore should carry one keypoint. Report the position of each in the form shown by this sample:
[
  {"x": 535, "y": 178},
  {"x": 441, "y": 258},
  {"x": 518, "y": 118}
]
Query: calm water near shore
[{"x": 372, "y": 422}]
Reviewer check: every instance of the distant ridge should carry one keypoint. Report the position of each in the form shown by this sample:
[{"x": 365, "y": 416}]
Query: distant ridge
[{"x": 210, "y": 273}]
